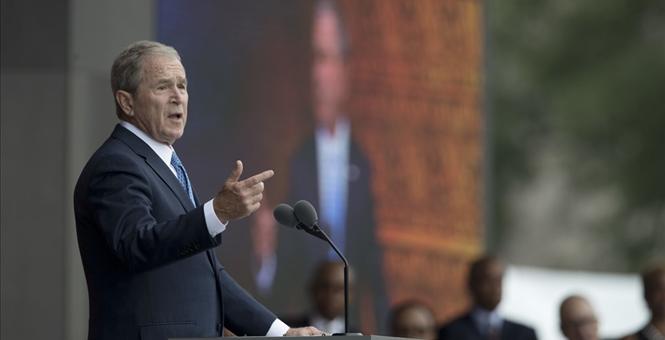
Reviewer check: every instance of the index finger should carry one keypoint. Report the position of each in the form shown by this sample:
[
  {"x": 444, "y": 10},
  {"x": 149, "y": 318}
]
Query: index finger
[{"x": 256, "y": 179}]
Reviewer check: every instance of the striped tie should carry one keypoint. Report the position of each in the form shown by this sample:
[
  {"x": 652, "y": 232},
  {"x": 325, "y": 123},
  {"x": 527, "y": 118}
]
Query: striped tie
[{"x": 181, "y": 173}]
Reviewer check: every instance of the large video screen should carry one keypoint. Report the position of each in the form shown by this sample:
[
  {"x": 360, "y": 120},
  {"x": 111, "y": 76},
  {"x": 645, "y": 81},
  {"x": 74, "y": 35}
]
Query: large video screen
[{"x": 371, "y": 110}]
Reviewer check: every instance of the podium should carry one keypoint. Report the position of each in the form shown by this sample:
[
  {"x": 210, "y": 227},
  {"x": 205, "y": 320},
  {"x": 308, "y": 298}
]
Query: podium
[{"x": 331, "y": 337}]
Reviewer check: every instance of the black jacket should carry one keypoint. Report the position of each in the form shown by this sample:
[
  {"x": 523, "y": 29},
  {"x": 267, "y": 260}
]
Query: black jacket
[
  {"x": 463, "y": 328},
  {"x": 147, "y": 255}
]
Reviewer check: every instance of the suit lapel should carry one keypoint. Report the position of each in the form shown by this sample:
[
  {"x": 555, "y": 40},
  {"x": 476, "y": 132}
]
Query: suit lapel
[
  {"x": 169, "y": 178},
  {"x": 507, "y": 330},
  {"x": 355, "y": 175},
  {"x": 155, "y": 163},
  {"x": 308, "y": 189},
  {"x": 471, "y": 326}
]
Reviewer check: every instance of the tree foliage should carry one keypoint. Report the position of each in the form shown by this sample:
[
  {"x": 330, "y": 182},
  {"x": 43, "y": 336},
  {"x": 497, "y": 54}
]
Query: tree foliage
[{"x": 588, "y": 76}]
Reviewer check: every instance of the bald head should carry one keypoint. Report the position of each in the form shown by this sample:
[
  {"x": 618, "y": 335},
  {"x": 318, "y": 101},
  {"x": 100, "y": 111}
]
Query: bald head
[
  {"x": 414, "y": 320},
  {"x": 578, "y": 320}
]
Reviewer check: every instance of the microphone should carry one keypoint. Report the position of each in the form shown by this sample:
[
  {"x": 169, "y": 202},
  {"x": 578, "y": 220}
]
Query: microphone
[
  {"x": 303, "y": 216},
  {"x": 285, "y": 215},
  {"x": 306, "y": 214}
]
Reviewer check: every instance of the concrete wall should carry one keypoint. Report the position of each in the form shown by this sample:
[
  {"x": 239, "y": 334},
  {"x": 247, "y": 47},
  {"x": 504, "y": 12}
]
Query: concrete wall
[
  {"x": 56, "y": 108},
  {"x": 34, "y": 118}
]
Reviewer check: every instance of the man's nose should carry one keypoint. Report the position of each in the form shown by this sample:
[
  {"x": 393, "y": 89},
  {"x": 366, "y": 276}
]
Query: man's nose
[{"x": 177, "y": 96}]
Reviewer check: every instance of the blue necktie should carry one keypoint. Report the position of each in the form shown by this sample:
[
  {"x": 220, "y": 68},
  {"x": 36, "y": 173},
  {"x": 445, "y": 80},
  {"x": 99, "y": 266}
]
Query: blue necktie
[{"x": 182, "y": 176}]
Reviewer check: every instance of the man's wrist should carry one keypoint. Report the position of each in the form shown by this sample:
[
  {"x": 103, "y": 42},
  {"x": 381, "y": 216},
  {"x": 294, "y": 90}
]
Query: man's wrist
[
  {"x": 214, "y": 224},
  {"x": 219, "y": 211}
]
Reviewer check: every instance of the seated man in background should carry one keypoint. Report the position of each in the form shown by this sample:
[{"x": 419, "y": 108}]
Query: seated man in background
[
  {"x": 577, "y": 319},
  {"x": 326, "y": 293},
  {"x": 483, "y": 321},
  {"x": 412, "y": 319},
  {"x": 653, "y": 280}
]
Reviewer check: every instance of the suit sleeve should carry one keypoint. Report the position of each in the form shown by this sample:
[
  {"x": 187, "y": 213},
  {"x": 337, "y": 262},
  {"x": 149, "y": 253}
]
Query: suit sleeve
[
  {"x": 443, "y": 333},
  {"x": 243, "y": 315},
  {"x": 121, "y": 200}
]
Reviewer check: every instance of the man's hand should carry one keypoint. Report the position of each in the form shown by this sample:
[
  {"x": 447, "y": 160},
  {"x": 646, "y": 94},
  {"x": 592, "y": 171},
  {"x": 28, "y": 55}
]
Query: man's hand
[
  {"x": 304, "y": 331},
  {"x": 237, "y": 198}
]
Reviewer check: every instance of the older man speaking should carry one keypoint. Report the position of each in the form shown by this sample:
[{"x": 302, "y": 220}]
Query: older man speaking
[{"x": 145, "y": 240}]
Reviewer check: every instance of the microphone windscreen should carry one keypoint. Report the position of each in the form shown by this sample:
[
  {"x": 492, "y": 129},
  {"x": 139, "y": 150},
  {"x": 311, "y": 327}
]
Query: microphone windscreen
[
  {"x": 305, "y": 213},
  {"x": 283, "y": 213}
]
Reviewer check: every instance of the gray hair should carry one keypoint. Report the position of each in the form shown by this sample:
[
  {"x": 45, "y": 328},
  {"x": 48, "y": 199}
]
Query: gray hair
[{"x": 127, "y": 69}]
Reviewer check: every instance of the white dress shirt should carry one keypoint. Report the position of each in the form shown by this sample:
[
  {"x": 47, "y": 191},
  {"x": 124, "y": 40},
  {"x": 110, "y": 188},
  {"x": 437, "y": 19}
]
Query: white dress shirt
[
  {"x": 486, "y": 320},
  {"x": 214, "y": 225},
  {"x": 335, "y": 325},
  {"x": 332, "y": 156},
  {"x": 165, "y": 152}
]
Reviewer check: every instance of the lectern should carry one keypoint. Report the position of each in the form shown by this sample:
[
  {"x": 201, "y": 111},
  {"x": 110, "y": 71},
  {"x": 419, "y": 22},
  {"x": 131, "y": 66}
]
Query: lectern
[{"x": 341, "y": 337}]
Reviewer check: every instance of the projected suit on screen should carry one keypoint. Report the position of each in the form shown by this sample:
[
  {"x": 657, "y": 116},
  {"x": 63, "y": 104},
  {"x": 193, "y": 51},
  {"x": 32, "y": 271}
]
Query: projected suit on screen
[{"x": 331, "y": 171}]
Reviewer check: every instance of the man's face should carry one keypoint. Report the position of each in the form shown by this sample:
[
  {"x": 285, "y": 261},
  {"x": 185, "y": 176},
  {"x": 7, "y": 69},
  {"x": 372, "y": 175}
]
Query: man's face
[
  {"x": 328, "y": 292},
  {"x": 160, "y": 102},
  {"x": 328, "y": 76},
  {"x": 578, "y": 321},
  {"x": 486, "y": 287},
  {"x": 416, "y": 323}
]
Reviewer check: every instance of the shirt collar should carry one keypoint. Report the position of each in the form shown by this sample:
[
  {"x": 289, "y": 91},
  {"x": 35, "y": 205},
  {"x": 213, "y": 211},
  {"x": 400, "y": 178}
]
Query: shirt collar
[
  {"x": 164, "y": 151},
  {"x": 342, "y": 132}
]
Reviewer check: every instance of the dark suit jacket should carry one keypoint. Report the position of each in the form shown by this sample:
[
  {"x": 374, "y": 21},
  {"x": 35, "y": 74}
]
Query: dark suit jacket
[
  {"x": 147, "y": 254},
  {"x": 299, "y": 253},
  {"x": 463, "y": 328}
]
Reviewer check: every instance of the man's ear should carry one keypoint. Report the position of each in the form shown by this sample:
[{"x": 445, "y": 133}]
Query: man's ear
[{"x": 126, "y": 102}]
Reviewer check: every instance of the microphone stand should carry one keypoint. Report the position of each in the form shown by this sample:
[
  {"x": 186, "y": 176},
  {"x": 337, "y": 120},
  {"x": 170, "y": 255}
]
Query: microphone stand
[{"x": 318, "y": 232}]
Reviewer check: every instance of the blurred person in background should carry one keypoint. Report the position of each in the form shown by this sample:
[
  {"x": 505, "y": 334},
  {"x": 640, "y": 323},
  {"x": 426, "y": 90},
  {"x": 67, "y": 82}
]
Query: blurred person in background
[
  {"x": 326, "y": 293},
  {"x": 578, "y": 320},
  {"x": 483, "y": 321},
  {"x": 653, "y": 281},
  {"x": 412, "y": 319}
]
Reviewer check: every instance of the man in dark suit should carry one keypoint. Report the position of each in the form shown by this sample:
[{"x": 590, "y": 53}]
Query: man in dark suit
[
  {"x": 483, "y": 321},
  {"x": 145, "y": 240},
  {"x": 331, "y": 171},
  {"x": 653, "y": 280}
]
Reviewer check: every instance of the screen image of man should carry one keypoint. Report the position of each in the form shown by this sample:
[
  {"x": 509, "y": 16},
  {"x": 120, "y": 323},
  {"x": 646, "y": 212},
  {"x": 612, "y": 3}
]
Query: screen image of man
[
  {"x": 145, "y": 238},
  {"x": 330, "y": 170}
]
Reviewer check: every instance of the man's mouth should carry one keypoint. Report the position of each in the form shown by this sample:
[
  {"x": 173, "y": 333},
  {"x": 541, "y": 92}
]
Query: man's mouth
[{"x": 176, "y": 115}]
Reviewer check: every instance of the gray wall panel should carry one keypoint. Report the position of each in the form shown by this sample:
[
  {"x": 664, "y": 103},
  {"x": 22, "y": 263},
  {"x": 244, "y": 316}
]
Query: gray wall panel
[
  {"x": 56, "y": 109},
  {"x": 33, "y": 216}
]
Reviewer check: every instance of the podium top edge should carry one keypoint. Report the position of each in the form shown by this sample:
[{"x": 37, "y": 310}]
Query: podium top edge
[{"x": 330, "y": 337}]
